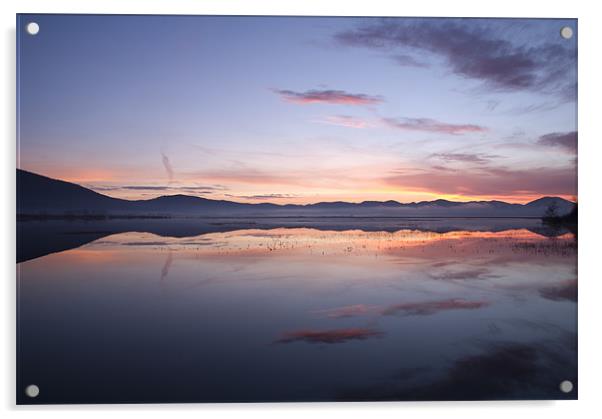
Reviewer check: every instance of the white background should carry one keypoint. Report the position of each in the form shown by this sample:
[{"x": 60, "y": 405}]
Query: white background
[{"x": 590, "y": 203}]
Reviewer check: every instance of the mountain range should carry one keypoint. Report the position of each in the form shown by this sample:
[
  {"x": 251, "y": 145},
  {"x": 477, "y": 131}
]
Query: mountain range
[{"x": 39, "y": 195}]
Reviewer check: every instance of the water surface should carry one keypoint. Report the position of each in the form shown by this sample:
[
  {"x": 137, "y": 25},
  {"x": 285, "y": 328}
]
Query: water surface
[{"x": 315, "y": 311}]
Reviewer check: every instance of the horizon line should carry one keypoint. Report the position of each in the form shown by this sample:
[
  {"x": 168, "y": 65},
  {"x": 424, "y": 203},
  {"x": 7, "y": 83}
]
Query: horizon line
[{"x": 306, "y": 204}]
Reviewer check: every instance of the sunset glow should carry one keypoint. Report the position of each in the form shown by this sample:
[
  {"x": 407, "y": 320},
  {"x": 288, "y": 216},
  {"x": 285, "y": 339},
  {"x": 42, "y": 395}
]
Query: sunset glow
[
  {"x": 250, "y": 119},
  {"x": 256, "y": 209}
]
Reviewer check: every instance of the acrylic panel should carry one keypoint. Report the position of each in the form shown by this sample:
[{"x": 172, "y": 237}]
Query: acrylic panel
[{"x": 281, "y": 209}]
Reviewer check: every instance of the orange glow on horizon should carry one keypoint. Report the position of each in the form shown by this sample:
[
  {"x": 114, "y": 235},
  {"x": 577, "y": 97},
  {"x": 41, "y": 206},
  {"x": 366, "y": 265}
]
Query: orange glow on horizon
[
  {"x": 293, "y": 193},
  {"x": 313, "y": 199}
]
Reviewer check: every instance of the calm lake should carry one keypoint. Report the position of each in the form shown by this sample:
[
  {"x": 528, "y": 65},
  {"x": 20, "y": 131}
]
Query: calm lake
[{"x": 305, "y": 310}]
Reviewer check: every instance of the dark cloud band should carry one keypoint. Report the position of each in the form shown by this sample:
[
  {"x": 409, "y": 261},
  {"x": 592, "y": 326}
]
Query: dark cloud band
[{"x": 472, "y": 49}]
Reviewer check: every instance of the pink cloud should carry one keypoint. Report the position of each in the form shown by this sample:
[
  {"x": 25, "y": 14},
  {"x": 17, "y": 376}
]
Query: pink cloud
[
  {"x": 490, "y": 182},
  {"x": 431, "y": 125},
  {"x": 337, "y": 97}
]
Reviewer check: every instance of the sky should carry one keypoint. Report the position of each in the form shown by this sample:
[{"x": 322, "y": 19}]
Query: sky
[{"x": 300, "y": 109}]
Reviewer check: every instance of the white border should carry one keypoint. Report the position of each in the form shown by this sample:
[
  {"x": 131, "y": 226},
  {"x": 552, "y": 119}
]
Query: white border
[{"x": 590, "y": 289}]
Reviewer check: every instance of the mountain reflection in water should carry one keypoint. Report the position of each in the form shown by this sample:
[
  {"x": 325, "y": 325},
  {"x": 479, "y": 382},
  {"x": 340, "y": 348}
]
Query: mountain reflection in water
[{"x": 477, "y": 309}]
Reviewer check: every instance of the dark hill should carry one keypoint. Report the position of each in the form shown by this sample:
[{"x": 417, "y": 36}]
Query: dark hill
[{"x": 40, "y": 196}]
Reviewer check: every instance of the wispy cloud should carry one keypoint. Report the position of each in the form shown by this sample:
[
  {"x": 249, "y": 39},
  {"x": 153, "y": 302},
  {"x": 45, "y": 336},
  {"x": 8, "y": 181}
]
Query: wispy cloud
[
  {"x": 175, "y": 188},
  {"x": 465, "y": 157},
  {"x": 491, "y": 105},
  {"x": 166, "y": 266},
  {"x": 432, "y": 307},
  {"x": 518, "y": 369},
  {"x": 420, "y": 308},
  {"x": 567, "y": 290},
  {"x": 167, "y": 166},
  {"x": 329, "y": 336},
  {"x": 265, "y": 196},
  {"x": 431, "y": 125},
  {"x": 160, "y": 188},
  {"x": 145, "y": 188},
  {"x": 408, "y": 61},
  {"x": 540, "y": 107},
  {"x": 474, "y": 50},
  {"x": 474, "y": 273},
  {"x": 346, "y": 311},
  {"x": 336, "y": 97},
  {"x": 566, "y": 140},
  {"x": 443, "y": 168},
  {"x": 345, "y": 121}
]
